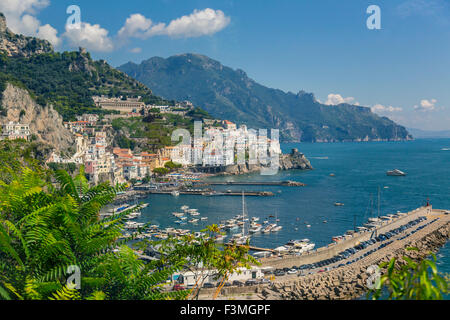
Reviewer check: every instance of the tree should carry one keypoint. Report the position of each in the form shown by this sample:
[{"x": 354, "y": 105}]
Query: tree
[
  {"x": 161, "y": 171},
  {"x": 43, "y": 233},
  {"x": 172, "y": 165},
  {"x": 409, "y": 280},
  {"x": 46, "y": 229}
]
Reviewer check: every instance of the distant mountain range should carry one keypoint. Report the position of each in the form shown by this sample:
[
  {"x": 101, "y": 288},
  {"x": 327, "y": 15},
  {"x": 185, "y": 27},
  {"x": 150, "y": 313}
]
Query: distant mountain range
[
  {"x": 231, "y": 94},
  {"x": 422, "y": 134}
]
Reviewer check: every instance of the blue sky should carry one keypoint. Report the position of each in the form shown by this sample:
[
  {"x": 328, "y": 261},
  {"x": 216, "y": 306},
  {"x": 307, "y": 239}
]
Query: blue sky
[{"x": 321, "y": 46}]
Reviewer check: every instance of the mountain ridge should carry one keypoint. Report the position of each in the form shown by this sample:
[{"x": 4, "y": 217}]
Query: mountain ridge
[{"x": 230, "y": 94}]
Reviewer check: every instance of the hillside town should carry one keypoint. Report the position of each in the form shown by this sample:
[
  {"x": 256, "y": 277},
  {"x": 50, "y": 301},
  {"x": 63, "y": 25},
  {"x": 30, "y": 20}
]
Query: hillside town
[{"x": 104, "y": 162}]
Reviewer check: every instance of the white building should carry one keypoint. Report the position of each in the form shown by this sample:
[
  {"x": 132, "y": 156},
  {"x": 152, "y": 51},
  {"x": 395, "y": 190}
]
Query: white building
[
  {"x": 12, "y": 131},
  {"x": 190, "y": 278}
]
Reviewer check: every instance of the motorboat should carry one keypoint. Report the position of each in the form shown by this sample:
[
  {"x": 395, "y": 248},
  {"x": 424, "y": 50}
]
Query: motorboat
[
  {"x": 178, "y": 214},
  {"x": 276, "y": 229},
  {"x": 255, "y": 229}
]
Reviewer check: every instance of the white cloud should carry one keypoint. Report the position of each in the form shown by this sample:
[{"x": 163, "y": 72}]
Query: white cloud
[
  {"x": 197, "y": 24},
  {"x": 336, "y": 99},
  {"x": 49, "y": 33},
  {"x": 379, "y": 108},
  {"x": 20, "y": 18},
  {"x": 91, "y": 37},
  {"x": 426, "y": 105},
  {"x": 19, "y": 7},
  {"x": 135, "y": 26}
]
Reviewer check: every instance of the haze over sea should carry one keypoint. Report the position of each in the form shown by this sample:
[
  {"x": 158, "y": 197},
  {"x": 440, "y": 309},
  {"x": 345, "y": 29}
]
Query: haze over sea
[{"x": 359, "y": 168}]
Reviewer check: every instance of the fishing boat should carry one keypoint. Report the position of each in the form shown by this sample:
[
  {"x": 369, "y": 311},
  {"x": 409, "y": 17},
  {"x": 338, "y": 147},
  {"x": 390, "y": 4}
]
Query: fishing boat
[
  {"x": 178, "y": 214},
  {"x": 195, "y": 214},
  {"x": 175, "y": 193},
  {"x": 339, "y": 204},
  {"x": 193, "y": 221},
  {"x": 185, "y": 208},
  {"x": 204, "y": 218}
]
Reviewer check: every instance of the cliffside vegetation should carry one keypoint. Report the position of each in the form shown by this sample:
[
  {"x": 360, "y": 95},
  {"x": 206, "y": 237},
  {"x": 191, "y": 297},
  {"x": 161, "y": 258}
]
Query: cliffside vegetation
[{"x": 68, "y": 80}]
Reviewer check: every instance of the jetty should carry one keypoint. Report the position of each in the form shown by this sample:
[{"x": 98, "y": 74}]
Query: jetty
[
  {"x": 257, "y": 183},
  {"x": 217, "y": 194}
]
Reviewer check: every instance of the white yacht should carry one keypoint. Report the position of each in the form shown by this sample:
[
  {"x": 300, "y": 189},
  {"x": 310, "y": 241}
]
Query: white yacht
[
  {"x": 268, "y": 228},
  {"x": 175, "y": 193},
  {"x": 255, "y": 229},
  {"x": 178, "y": 214},
  {"x": 396, "y": 173},
  {"x": 276, "y": 229}
]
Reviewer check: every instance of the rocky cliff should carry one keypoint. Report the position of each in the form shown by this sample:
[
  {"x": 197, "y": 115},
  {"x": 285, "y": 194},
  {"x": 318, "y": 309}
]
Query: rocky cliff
[
  {"x": 15, "y": 45},
  {"x": 45, "y": 123}
]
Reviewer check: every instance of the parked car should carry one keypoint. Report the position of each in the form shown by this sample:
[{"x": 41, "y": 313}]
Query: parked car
[
  {"x": 280, "y": 273},
  {"x": 251, "y": 282},
  {"x": 237, "y": 283}
]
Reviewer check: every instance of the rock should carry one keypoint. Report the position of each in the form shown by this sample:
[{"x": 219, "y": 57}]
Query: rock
[{"x": 45, "y": 123}]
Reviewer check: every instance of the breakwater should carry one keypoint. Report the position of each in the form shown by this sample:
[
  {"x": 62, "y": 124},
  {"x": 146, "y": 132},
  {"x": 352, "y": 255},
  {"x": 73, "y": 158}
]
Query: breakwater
[
  {"x": 349, "y": 281},
  {"x": 256, "y": 183}
]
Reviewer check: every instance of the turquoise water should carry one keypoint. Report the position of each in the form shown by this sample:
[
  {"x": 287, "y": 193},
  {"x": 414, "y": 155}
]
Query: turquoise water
[{"x": 359, "y": 168}]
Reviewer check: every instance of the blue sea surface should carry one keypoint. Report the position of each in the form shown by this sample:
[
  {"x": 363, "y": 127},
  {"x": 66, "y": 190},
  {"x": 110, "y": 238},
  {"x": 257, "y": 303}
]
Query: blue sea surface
[{"x": 360, "y": 171}]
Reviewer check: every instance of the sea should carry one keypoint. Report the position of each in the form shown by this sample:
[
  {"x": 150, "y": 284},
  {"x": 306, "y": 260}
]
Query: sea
[{"x": 350, "y": 173}]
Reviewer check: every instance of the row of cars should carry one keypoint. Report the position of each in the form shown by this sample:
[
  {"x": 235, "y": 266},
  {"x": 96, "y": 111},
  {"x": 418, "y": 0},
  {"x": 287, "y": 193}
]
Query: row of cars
[{"x": 345, "y": 255}]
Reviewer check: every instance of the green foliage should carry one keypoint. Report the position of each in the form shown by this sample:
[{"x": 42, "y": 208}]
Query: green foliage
[
  {"x": 172, "y": 165},
  {"x": 199, "y": 114},
  {"x": 16, "y": 154},
  {"x": 68, "y": 80},
  {"x": 411, "y": 280},
  {"x": 149, "y": 133},
  {"x": 45, "y": 228},
  {"x": 201, "y": 253},
  {"x": 161, "y": 171}
]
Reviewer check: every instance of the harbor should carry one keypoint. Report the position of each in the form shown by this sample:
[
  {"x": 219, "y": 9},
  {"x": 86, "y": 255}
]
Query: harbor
[
  {"x": 332, "y": 212},
  {"x": 308, "y": 278}
]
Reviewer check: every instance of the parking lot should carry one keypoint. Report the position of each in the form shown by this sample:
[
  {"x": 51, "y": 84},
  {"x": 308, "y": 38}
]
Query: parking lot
[{"x": 357, "y": 253}]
